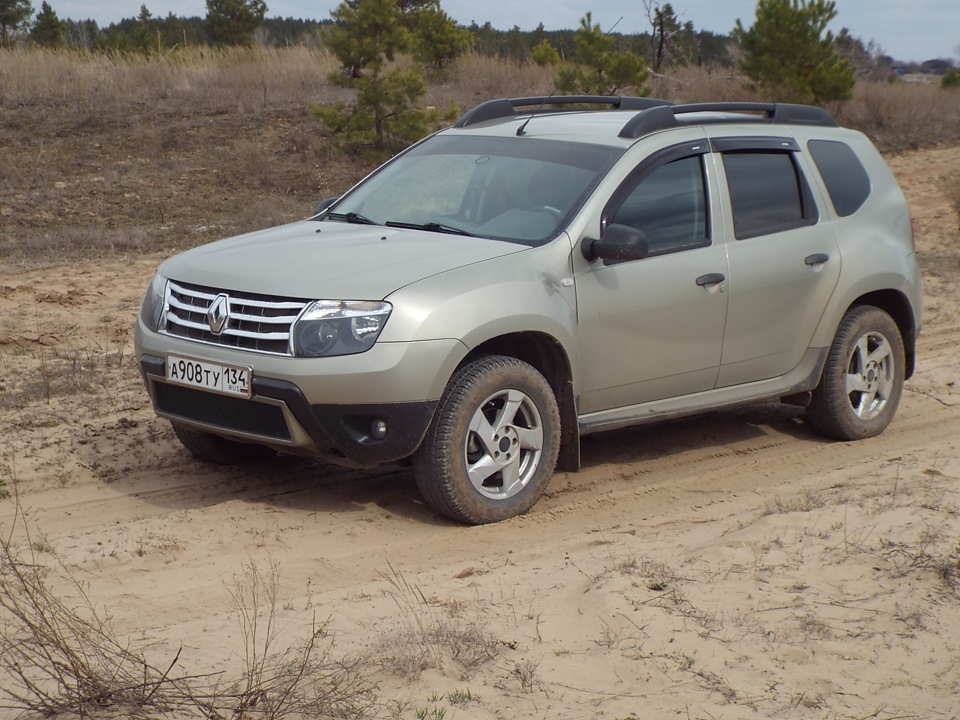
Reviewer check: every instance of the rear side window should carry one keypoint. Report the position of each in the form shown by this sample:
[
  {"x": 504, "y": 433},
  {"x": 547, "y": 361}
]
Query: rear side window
[
  {"x": 768, "y": 193},
  {"x": 843, "y": 174}
]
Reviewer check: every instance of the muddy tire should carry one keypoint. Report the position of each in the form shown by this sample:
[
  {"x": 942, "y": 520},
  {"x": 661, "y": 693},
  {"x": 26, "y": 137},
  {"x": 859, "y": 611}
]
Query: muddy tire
[
  {"x": 493, "y": 443},
  {"x": 862, "y": 380}
]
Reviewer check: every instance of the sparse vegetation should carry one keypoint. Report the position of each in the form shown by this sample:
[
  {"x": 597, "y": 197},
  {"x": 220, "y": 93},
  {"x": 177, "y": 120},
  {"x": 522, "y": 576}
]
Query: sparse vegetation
[
  {"x": 103, "y": 138},
  {"x": 430, "y": 635},
  {"x": 121, "y": 147},
  {"x": 59, "y": 654}
]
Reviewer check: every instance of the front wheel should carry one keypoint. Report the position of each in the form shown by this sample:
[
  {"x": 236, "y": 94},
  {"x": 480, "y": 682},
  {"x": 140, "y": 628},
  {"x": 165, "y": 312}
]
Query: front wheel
[
  {"x": 493, "y": 443},
  {"x": 863, "y": 377}
]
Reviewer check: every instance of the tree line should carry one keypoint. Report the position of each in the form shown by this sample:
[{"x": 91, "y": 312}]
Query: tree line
[
  {"x": 237, "y": 22},
  {"x": 786, "y": 54},
  {"x": 669, "y": 42}
]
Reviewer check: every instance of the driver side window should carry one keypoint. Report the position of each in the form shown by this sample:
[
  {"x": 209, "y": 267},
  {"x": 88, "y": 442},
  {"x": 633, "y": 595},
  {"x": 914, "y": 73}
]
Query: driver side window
[{"x": 669, "y": 206}]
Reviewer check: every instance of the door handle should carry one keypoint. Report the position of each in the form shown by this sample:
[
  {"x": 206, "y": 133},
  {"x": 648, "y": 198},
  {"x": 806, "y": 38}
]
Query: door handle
[
  {"x": 816, "y": 259},
  {"x": 710, "y": 279}
]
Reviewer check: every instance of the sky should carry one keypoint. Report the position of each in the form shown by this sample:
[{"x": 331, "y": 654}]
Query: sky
[{"x": 908, "y": 30}]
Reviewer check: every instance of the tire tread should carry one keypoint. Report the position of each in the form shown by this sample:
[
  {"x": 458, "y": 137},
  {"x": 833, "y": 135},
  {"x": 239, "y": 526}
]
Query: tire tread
[{"x": 434, "y": 464}]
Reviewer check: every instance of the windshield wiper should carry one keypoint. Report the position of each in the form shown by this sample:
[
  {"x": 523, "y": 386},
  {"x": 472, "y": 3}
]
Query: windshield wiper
[
  {"x": 430, "y": 227},
  {"x": 351, "y": 217}
]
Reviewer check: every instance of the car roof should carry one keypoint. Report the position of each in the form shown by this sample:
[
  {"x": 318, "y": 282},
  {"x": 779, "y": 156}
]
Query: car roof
[{"x": 615, "y": 120}]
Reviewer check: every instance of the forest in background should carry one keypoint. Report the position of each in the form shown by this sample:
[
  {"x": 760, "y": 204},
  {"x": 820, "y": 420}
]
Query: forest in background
[{"x": 693, "y": 47}]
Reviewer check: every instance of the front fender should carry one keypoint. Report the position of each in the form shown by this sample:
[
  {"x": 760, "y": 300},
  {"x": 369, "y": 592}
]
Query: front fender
[{"x": 529, "y": 291}]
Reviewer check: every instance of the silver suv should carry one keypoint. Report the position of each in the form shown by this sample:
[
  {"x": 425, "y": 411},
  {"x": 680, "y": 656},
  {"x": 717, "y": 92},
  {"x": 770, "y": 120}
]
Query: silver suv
[{"x": 545, "y": 269}]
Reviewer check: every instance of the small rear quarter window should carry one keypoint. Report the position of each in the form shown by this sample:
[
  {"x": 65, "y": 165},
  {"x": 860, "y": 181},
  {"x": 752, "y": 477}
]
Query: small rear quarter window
[{"x": 844, "y": 175}]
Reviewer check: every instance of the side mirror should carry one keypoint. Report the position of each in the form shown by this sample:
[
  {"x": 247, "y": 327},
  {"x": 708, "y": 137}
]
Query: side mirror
[
  {"x": 620, "y": 243},
  {"x": 324, "y": 204}
]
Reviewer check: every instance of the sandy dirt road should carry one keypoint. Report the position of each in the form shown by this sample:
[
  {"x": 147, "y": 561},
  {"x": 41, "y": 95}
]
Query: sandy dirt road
[{"x": 731, "y": 565}]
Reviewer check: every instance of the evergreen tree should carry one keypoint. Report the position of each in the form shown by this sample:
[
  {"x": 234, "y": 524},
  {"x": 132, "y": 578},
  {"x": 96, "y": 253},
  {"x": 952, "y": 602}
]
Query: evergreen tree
[
  {"x": 385, "y": 116},
  {"x": 13, "y": 15},
  {"x": 366, "y": 34},
  {"x": 47, "y": 30},
  {"x": 145, "y": 34},
  {"x": 233, "y": 22},
  {"x": 790, "y": 55},
  {"x": 436, "y": 39},
  {"x": 601, "y": 69},
  {"x": 544, "y": 53}
]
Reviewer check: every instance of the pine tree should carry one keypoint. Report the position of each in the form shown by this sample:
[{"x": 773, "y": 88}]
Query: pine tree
[
  {"x": 13, "y": 15},
  {"x": 790, "y": 55},
  {"x": 385, "y": 116},
  {"x": 544, "y": 53},
  {"x": 232, "y": 22},
  {"x": 365, "y": 34},
  {"x": 435, "y": 38},
  {"x": 600, "y": 68},
  {"x": 143, "y": 34},
  {"x": 47, "y": 29}
]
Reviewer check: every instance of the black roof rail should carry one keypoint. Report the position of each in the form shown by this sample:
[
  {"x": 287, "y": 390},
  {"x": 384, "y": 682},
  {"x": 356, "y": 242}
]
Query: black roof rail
[
  {"x": 506, "y": 107},
  {"x": 665, "y": 117}
]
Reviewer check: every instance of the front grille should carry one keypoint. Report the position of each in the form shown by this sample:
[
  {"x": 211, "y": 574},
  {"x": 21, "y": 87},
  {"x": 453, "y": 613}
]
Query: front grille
[
  {"x": 259, "y": 323},
  {"x": 222, "y": 411}
]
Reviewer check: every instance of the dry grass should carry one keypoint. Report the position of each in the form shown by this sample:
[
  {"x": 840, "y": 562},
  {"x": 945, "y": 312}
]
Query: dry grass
[
  {"x": 104, "y": 155},
  {"x": 430, "y": 634},
  {"x": 903, "y": 116},
  {"x": 57, "y": 658},
  {"x": 59, "y": 654},
  {"x": 92, "y": 86}
]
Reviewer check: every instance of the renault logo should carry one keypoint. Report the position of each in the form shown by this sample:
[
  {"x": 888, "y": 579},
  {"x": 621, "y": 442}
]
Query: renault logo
[{"x": 219, "y": 314}]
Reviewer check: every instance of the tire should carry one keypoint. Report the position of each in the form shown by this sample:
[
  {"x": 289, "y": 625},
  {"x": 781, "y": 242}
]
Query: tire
[
  {"x": 493, "y": 443},
  {"x": 862, "y": 380},
  {"x": 217, "y": 450}
]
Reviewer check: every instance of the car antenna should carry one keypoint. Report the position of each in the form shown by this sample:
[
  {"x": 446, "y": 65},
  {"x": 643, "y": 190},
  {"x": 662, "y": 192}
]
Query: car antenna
[{"x": 522, "y": 128}]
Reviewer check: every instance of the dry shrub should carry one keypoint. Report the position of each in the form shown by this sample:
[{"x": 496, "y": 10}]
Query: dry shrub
[
  {"x": 901, "y": 115},
  {"x": 476, "y": 78},
  {"x": 701, "y": 84},
  {"x": 281, "y": 681},
  {"x": 429, "y": 635},
  {"x": 61, "y": 656}
]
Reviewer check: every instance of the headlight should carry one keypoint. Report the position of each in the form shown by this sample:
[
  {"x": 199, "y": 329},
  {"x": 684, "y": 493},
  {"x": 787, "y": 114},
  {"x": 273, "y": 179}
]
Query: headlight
[
  {"x": 339, "y": 327},
  {"x": 152, "y": 305}
]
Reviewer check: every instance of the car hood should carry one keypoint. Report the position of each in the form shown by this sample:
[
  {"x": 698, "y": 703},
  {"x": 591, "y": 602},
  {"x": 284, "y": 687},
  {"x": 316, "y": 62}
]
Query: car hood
[{"x": 329, "y": 260}]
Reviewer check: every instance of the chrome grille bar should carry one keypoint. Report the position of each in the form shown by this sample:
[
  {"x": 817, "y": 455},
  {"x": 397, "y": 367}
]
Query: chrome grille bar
[{"x": 257, "y": 323}]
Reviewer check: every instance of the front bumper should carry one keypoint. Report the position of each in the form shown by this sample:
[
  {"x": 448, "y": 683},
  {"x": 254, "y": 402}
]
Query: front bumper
[{"x": 279, "y": 415}]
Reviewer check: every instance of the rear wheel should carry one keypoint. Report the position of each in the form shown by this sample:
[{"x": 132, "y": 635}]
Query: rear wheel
[
  {"x": 862, "y": 380},
  {"x": 217, "y": 450},
  {"x": 493, "y": 443}
]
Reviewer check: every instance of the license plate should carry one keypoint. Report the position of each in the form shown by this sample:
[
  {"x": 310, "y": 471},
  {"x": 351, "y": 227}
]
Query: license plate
[{"x": 206, "y": 375}]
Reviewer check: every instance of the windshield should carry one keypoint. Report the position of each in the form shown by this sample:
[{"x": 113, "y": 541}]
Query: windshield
[{"x": 518, "y": 189}]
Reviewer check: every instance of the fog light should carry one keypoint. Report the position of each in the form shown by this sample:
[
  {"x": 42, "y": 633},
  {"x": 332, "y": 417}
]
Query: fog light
[{"x": 378, "y": 429}]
